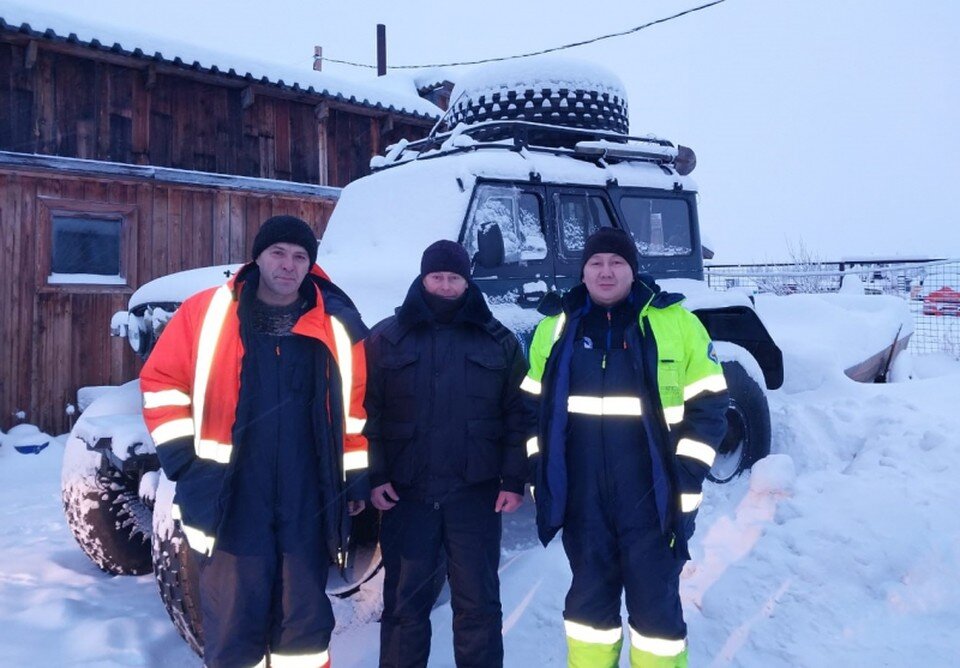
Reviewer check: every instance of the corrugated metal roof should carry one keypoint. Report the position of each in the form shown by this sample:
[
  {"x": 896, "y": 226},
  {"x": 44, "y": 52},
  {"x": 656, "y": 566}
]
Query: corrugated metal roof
[{"x": 337, "y": 90}]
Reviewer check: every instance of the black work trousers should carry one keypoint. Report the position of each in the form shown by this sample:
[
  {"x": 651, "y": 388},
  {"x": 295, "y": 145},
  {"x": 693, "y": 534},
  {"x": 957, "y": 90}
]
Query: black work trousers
[
  {"x": 250, "y": 603},
  {"x": 465, "y": 526}
]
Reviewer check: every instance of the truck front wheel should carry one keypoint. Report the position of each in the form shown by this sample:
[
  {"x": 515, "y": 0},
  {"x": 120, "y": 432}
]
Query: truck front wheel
[
  {"x": 105, "y": 512},
  {"x": 748, "y": 425}
]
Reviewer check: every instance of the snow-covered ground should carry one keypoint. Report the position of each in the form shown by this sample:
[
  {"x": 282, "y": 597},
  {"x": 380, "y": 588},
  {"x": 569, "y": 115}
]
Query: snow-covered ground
[{"x": 841, "y": 548}]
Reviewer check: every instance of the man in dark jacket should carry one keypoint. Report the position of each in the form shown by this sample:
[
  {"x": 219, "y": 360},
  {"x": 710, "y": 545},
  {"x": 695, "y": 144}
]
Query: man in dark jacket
[
  {"x": 254, "y": 398},
  {"x": 446, "y": 425},
  {"x": 632, "y": 403}
]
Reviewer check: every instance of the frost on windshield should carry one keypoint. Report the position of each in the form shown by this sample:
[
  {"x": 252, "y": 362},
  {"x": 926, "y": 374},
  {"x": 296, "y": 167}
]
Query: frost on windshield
[
  {"x": 660, "y": 227},
  {"x": 516, "y": 213},
  {"x": 579, "y": 216}
]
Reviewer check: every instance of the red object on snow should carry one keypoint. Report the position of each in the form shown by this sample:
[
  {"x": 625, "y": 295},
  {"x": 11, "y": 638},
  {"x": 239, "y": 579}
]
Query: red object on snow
[{"x": 945, "y": 301}]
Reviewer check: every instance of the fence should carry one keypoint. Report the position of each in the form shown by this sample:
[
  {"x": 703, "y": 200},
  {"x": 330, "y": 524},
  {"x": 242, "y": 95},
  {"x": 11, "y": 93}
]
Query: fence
[{"x": 931, "y": 288}]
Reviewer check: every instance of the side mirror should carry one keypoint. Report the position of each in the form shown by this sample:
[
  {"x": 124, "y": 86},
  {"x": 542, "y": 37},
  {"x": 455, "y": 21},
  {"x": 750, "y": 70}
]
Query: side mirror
[{"x": 490, "y": 249}]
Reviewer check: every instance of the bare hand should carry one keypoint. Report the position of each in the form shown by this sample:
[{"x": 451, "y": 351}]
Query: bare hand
[
  {"x": 355, "y": 507},
  {"x": 507, "y": 502},
  {"x": 384, "y": 497}
]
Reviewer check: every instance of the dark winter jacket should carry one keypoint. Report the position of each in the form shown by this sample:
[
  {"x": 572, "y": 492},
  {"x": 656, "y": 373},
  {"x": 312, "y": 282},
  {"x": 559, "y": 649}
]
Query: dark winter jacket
[
  {"x": 683, "y": 403},
  {"x": 444, "y": 408}
]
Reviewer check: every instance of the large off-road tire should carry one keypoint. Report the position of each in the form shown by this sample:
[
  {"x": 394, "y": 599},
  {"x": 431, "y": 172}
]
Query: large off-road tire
[
  {"x": 104, "y": 511},
  {"x": 748, "y": 425},
  {"x": 177, "y": 570},
  {"x": 588, "y": 109},
  {"x": 178, "y": 577},
  {"x": 363, "y": 556},
  {"x": 592, "y": 100}
]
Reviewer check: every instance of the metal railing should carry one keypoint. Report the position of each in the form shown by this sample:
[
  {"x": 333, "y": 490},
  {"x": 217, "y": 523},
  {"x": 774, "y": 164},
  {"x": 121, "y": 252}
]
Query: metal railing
[{"x": 931, "y": 288}]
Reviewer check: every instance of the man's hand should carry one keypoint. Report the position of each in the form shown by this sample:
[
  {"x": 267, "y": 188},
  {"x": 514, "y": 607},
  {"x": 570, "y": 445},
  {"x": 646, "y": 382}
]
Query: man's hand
[
  {"x": 384, "y": 497},
  {"x": 507, "y": 502},
  {"x": 355, "y": 507}
]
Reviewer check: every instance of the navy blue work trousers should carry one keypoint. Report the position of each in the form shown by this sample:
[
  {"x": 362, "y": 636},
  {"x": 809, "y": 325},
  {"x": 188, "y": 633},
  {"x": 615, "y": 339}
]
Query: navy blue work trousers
[{"x": 466, "y": 528}]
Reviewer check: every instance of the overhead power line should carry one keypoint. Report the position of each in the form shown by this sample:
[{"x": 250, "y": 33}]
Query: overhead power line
[{"x": 532, "y": 53}]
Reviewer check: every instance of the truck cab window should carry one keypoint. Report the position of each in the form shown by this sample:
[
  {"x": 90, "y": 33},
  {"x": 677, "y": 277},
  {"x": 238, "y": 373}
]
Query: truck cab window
[
  {"x": 516, "y": 213},
  {"x": 660, "y": 227},
  {"x": 579, "y": 216}
]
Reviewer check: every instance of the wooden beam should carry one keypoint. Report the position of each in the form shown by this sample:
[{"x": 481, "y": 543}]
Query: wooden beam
[
  {"x": 30, "y": 58},
  {"x": 247, "y": 97},
  {"x": 151, "y": 77},
  {"x": 322, "y": 111},
  {"x": 386, "y": 125}
]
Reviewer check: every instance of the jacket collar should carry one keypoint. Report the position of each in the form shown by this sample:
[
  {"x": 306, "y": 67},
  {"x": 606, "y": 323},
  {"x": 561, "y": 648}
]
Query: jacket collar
[{"x": 414, "y": 310}]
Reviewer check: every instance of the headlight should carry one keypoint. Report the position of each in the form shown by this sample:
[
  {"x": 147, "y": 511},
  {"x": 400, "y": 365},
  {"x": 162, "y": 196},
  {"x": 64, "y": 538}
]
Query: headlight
[{"x": 135, "y": 332}]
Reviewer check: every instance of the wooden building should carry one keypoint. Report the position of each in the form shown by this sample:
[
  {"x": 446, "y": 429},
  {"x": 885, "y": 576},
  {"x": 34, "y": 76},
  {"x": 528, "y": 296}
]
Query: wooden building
[{"x": 117, "y": 167}]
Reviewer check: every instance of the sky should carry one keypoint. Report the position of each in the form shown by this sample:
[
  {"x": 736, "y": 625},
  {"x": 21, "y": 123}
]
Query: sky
[{"x": 824, "y": 125}]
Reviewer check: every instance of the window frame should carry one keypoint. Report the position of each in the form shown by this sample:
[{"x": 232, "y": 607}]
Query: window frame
[{"x": 126, "y": 214}]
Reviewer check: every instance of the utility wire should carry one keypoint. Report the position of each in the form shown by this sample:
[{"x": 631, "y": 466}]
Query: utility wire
[{"x": 532, "y": 53}]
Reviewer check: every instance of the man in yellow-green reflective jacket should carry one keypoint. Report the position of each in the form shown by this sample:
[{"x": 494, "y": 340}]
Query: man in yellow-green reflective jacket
[{"x": 632, "y": 403}]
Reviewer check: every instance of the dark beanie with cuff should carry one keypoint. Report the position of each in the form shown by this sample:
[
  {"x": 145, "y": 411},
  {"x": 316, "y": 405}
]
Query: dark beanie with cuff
[
  {"x": 285, "y": 230},
  {"x": 445, "y": 255},
  {"x": 611, "y": 240}
]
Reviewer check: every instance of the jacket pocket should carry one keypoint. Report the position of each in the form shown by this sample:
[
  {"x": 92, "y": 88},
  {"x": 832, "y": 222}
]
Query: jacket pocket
[
  {"x": 485, "y": 374},
  {"x": 400, "y": 374},
  {"x": 198, "y": 495},
  {"x": 669, "y": 381},
  {"x": 398, "y": 455},
  {"x": 484, "y": 451}
]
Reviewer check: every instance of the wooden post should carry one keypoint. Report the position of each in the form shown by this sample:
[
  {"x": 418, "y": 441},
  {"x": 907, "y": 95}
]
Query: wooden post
[
  {"x": 381, "y": 49},
  {"x": 318, "y": 58},
  {"x": 30, "y": 57}
]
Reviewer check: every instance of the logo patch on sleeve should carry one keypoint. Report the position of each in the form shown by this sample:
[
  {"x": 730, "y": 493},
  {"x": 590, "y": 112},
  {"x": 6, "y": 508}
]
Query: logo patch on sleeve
[{"x": 712, "y": 353}]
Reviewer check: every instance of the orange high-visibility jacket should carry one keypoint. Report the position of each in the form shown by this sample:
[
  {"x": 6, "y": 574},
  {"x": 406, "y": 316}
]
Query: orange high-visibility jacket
[{"x": 191, "y": 387}]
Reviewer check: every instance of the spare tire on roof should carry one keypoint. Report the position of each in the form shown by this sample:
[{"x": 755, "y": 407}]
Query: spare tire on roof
[{"x": 555, "y": 91}]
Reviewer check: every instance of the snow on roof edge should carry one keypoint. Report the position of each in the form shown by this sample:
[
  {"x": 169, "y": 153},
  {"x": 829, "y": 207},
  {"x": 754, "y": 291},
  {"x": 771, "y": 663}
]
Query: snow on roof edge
[{"x": 392, "y": 98}]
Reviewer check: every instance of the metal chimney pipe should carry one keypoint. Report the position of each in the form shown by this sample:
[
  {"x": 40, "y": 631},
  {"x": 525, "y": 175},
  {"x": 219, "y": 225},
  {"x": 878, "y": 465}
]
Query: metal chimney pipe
[{"x": 381, "y": 49}]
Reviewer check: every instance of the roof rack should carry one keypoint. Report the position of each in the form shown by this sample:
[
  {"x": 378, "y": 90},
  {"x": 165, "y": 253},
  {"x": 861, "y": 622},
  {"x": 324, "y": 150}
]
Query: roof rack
[{"x": 599, "y": 146}]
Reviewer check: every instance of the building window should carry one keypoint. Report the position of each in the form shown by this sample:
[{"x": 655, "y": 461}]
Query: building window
[
  {"x": 85, "y": 246},
  {"x": 90, "y": 245}
]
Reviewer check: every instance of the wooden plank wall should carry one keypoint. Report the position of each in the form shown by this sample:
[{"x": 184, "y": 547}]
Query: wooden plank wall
[
  {"x": 70, "y": 106},
  {"x": 57, "y": 337}
]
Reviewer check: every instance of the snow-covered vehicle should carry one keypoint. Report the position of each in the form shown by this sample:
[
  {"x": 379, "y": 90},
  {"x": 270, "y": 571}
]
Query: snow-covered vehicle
[{"x": 532, "y": 162}]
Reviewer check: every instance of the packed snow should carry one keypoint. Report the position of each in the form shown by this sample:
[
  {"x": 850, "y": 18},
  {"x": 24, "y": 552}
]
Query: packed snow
[{"x": 841, "y": 547}]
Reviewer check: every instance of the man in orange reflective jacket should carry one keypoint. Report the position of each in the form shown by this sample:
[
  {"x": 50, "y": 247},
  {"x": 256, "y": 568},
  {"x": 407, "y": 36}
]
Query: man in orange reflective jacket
[{"x": 254, "y": 398}]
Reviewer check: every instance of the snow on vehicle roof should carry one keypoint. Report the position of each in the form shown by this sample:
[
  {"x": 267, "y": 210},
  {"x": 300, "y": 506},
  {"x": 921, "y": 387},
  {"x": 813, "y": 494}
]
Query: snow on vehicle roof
[
  {"x": 542, "y": 71},
  {"x": 177, "y": 287},
  {"x": 395, "y": 92},
  {"x": 382, "y": 222}
]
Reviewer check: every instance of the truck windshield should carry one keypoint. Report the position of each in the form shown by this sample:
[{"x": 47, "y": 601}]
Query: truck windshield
[
  {"x": 516, "y": 213},
  {"x": 660, "y": 226}
]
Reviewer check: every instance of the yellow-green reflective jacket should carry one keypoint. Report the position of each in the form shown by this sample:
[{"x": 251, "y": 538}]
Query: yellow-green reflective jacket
[{"x": 684, "y": 414}]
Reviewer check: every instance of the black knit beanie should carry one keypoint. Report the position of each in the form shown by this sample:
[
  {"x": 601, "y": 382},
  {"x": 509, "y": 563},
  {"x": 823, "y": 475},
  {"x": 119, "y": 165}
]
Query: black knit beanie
[
  {"x": 445, "y": 255},
  {"x": 610, "y": 240},
  {"x": 287, "y": 230}
]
